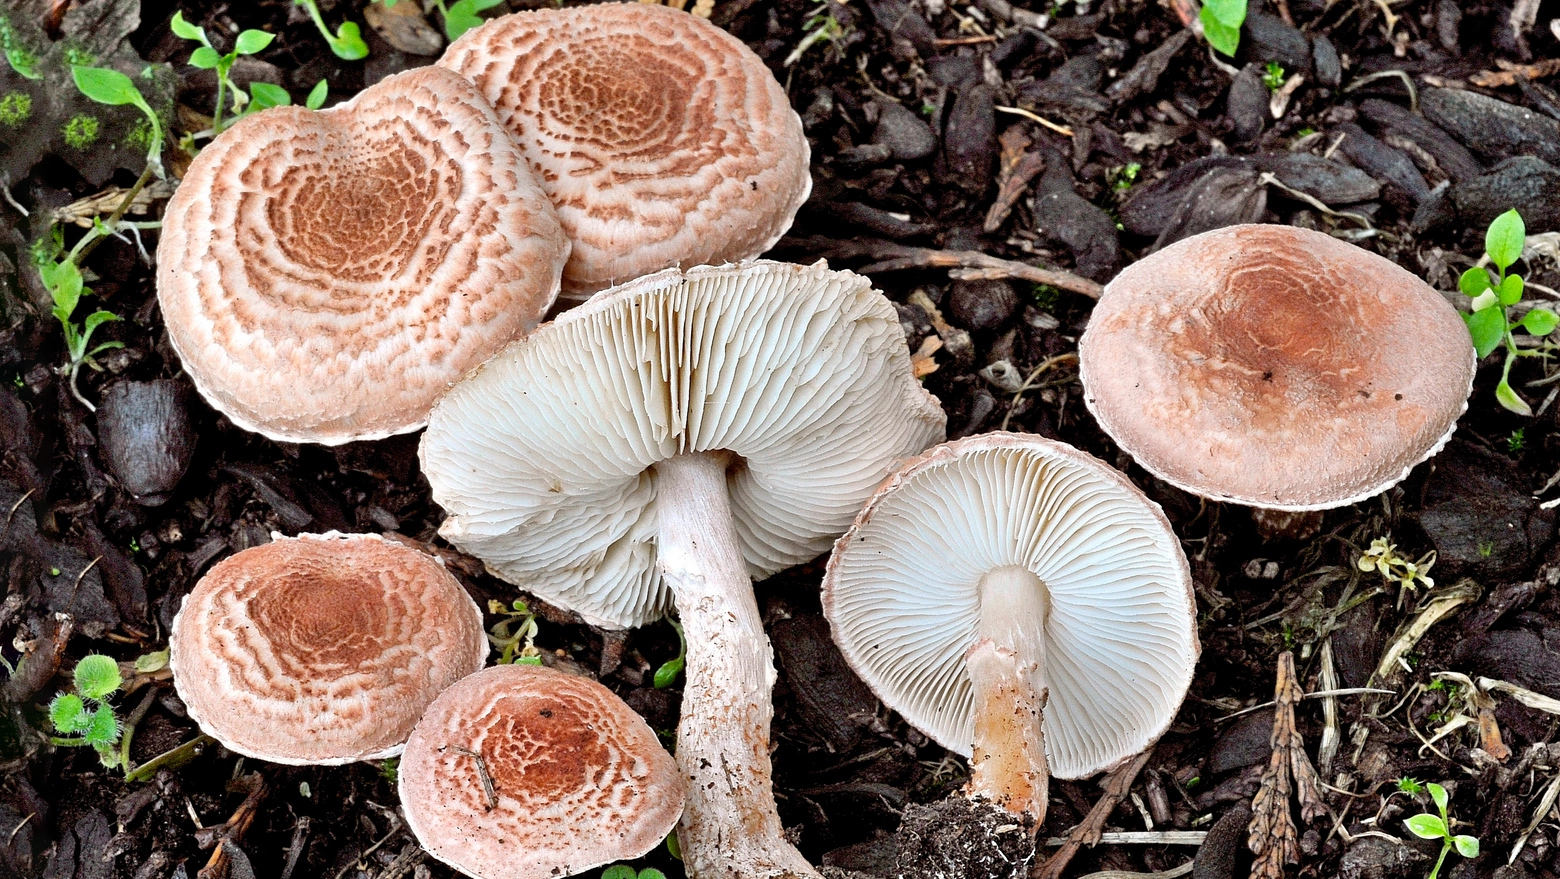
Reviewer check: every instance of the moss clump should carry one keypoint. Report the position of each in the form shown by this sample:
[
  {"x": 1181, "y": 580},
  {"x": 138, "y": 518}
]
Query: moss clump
[
  {"x": 140, "y": 137},
  {"x": 76, "y": 56},
  {"x": 81, "y": 132},
  {"x": 15, "y": 108}
]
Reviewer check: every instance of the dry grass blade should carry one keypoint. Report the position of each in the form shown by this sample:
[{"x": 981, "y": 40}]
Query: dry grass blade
[{"x": 1514, "y": 72}]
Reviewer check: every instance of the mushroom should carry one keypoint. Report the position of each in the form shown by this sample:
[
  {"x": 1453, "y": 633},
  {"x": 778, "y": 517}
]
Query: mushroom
[
  {"x": 662, "y": 140},
  {"x": 524, "y": 772},
  {"x": 325, "y": 276},
  {"x": 324, "y": 648},
  {"x": 1275, "y": 367},
  {"x": 1005, "y": 578},
  {"x": 683, "y": 434}
]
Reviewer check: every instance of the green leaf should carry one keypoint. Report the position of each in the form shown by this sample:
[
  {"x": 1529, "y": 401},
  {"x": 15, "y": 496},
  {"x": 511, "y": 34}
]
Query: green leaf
[
  {"x": 1508, "y": 398},
  {"x": 185, "y": 30},
  {"x": 389, "y": 4},
  {"x": 1504, "y": 240},
  {"x": 1467, "y": 846},
  {"x": 105, "y": 86},
  {"x": 349, "y": 45},
  {"x": 147, "y": 663},
  {"x": 97, "y": 675},
  {"x": 205, "y": 58},
  {"x": 461, "y": 16},
  {"x": 651, "y": 873},
  {"x": 1475, "y": 281},
  {"x": 317, "y": 95},
  {"x": 68, "y": 714},
  {"x": 1426, "y": 826},
  {"x": 618, "y": 871},
  {"x": 266, "y": 95},
  {"x": 667, "y": 674},
  {"x": 1230, "y": 13},
  {"x": 64, "y": 284},
  {"x": 251, "y": 41},
  {"x": 1540, "y": 322},
  {"x": 1220, "y": 36},
  {"x": 528, "y": 660},
  {"x": 1438, "y": 796},
  {"x": 103, "y": 727},
  {"x": 97, "y": 319},
  {"x": 1510, "y": 291},
  {"x": 1487, "y": 328}
]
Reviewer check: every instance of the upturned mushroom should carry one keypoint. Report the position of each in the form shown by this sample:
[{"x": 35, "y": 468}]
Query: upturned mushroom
[
  {"x": 325, "y": 276},
  {"x": 1275, "y": 367},
  {"x": 1022, "y": 604},
  {"x": 667, "y": 442},
  {"x": 523, "y": 772},
  {"x": 662, "y": 139},
  {"x": 322, "y": 649}
]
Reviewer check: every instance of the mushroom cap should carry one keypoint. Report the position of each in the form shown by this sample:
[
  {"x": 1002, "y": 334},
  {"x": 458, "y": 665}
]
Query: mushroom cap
[
  {"x": 541, "y": 456},
  {"x": 324, "y": 648},
  {"x": 1275, "y": 367},
  {"x": 580, "y": 779},
  {"x": 662, "y": 139},
  {"x": 325, "y": 276},
  {"x": 901, "y": 594}
]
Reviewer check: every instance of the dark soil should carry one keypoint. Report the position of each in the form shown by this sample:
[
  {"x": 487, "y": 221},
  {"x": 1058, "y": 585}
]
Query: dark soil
[{"x": 910, "y": 110}]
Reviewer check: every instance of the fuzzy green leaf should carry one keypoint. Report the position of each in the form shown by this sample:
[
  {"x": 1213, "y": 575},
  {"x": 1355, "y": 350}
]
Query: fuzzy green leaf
[
  {"x": 1504, "y": 240},
  {"x": 1509, "y": 399},
  {"x": 105, "y": 86},
  {"x": 251, "y": 41},
  {"x": 1540, "y": 322},
  {"x": 1510, "y": 291},
  {"x": 68, "y": 714},
  {"x": 1487, "y": 328},
  {"x": 1475, "y": 281},
  {"x": 185, "y": 30},
  {"x": 317, "y": 95},
  {"x": 97, "y": 676},
  {"x": 205, "y": 58},
  {"x": 103, "y": 728},
  {"x": 1467, "y": 846},
  {"x": 1426, "y": 826},
  {"x": 651, "y": 873},
  {"x": 618, "y": 871}
]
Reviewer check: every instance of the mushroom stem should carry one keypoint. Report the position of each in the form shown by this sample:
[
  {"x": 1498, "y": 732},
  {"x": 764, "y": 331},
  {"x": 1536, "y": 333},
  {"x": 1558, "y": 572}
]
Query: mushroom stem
[
  {"x": 1007, "y": 667},
  {"x": 730, "y": 829}
]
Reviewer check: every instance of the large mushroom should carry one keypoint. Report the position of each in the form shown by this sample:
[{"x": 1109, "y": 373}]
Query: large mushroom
[
  {"x": 1022, "y": 604},
  {"x": 325, "y": 276},
  {"x": 522, "y": 772},
  {"x": 324, "y": 648},
  {"x": 1275, "y": 367},
  {"x": 662, "y": 139},
  {"x": 668, "y": 442}
]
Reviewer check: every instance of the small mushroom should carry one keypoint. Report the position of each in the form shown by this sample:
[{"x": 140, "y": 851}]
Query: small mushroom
[
  {"x": 1006, "y": 578},
  {"x": 523, "y": 772},
  {"x": 661, "y": 138},
  {"x": 667, "y": 442},
  {"x": 324, "y": 648},
  {"x": 1275, "y": 367},
  {"x": 325, "y": 276}
]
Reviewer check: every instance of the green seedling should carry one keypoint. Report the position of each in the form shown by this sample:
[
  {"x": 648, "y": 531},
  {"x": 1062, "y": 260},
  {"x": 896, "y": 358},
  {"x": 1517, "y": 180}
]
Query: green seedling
[
  {"x": 1123, "y": 178},
  {"x": 1489, "y": 322},
  {"x": 1221, "y": 21},
  {"x": 514, "y": 637},
  {"x": 666, "y": 675},
  {"x": 460, "y": 16},
  {"x": 115, "y": 89},
  {"x": 1383, "y": 558},
  {"x": 62, "y": 278},
  {"x": 1516, "y": 441},
  {"x": 84, "y": 719},
  {"x": 624, "y": 871},
  {"x": 1427, "y": 826},
  {"x": 1410, "y": 785},
  {"x": 1273, "y": 76},
  {"x": 347, "y": 42},
  {"x": 22, "y": 60},
  {"x": 206, "y": 57},
  {"x": 820, "y": 26}
]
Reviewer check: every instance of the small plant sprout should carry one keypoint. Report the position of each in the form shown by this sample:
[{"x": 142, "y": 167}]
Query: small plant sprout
[
  {"x": 515, "y": 635},
  {"x": 62, "y": 278},
  {"x": 115, "y": 89},
  {"x": 1493, "y": 295},
  {"x": 1427, "y": 826},
  {"x": 206, "y": 57},
  {"x": 22, "y": 60},
  {"x": 1516, "y": 441},
  {"x": 1122, "y": 178},
  {"x": 460, "y": 16},
  {"x": 347, "y": 42},
  {"x": 1383, "y": 558},
  {"x": 1410, "y": 785},
  {"x": 820, "y": 26},
  {"x": 1221, "y": 21},
  {"x": 84, "y": 719},
  {"x": 667, "y": 674},
  {"x": 624, "y": 871},
  {"x": 1273, "y": 76}
]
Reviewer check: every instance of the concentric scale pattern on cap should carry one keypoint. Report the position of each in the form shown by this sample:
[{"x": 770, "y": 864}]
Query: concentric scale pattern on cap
[
  {"x": 322, "y": 648},
  {"x": 326, "y": 275},
  {"x": 902, "y": 593},
  {"x": 662, "y": 139},
  {"x": 578, "y": 779},
  {"x": 1275, "y": 367}
]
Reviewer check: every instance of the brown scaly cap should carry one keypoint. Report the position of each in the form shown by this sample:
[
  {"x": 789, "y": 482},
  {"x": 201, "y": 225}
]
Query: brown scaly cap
[
  {"x": 322, "y": 648},
  {"x": 662, "y": 139},
  {"x": 1275, "y": 367},
  {"x": 325, "y": 276},
  {"x": 576, "y": 778}
]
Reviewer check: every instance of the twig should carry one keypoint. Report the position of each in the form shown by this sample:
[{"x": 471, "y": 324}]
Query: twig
[
  {"x": 482, "y": 775},
  {"x": 1029, "y": 381},
  {"x": 119, "y": 214},
  {"x": 1172, "y": 873},
  {"x": 1267, "y": 179},
  {"x": 295, "y": 848},
  {"x": 1135, "y": 837},
  {"x": 1272, "y": 836},
  {"x": 1319, "y": 694},
  {"x": 1063, "y": 130},
  {"x": 1413, "y": 93},
  {"x": 1117, "y": 784},
  {"x": 171, "y": 758},
  {"x": 897, "y": 257},
  {"x": 236, "y": 826}
]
